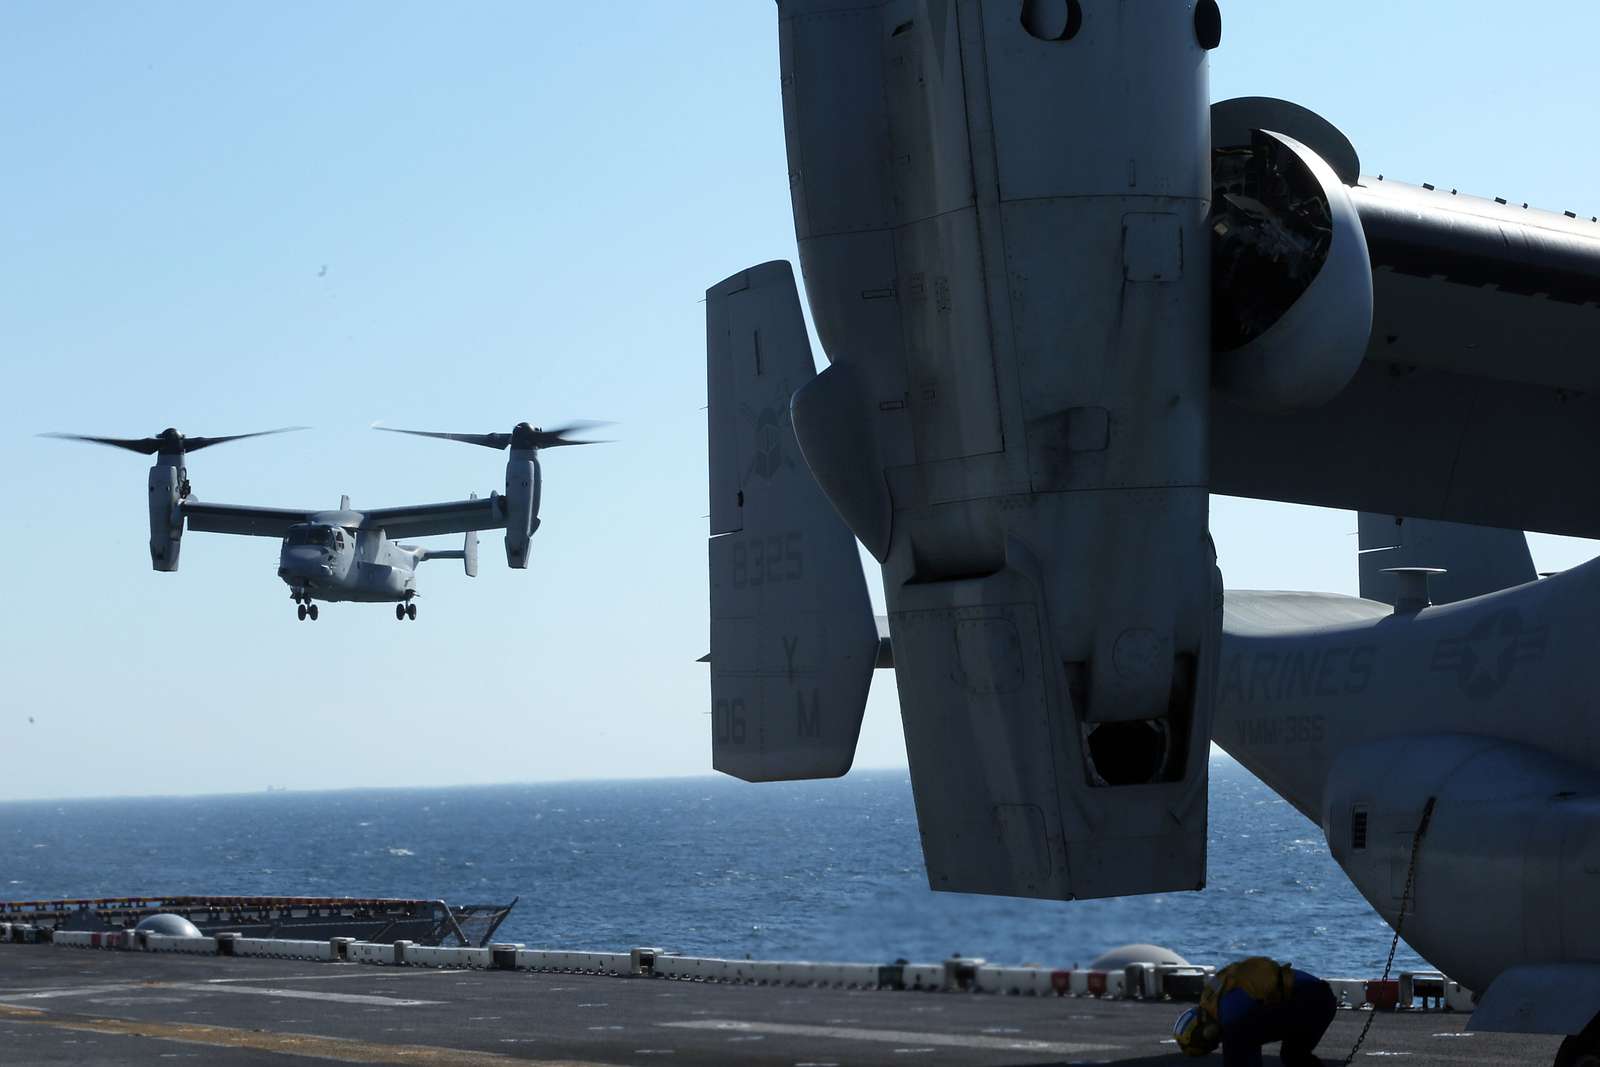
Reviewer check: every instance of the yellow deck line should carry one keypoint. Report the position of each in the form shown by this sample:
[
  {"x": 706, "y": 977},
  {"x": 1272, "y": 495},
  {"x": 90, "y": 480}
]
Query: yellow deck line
[{"x": 336, "y": 1049}]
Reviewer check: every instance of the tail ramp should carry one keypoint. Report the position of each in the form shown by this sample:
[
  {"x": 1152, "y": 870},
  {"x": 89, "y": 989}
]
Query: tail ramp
[
  {"x": 793, "y": 640},
  {"x": 1476, "y": 559}
]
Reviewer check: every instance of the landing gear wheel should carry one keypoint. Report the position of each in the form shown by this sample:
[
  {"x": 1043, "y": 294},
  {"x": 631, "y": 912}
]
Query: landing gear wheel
[
  {"x": 1581, "y": 1050},
  {"x": 312, "y": 611},
  {"x": 411, "y": 611},
  {"x": 300, "y": 609},
  {"x": 400, "y": 612}
]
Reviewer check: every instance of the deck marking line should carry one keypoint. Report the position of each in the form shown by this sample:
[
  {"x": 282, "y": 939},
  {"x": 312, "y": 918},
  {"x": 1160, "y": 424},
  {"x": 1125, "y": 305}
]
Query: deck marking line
[
  {"x": 895, "y": 1037},
  {"x": 300, "y": 994},
  {"x": 24, "y": 1014},
  {"x": 308, "y": 1046},
  {"x": 208, "y": 987},
  {"x": 74, "y": 991},
  {"x": 420, "y": 973}
]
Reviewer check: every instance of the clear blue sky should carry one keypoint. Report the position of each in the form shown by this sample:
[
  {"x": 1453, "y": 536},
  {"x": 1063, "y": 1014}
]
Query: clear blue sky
[{"x": 519, "y": 207}]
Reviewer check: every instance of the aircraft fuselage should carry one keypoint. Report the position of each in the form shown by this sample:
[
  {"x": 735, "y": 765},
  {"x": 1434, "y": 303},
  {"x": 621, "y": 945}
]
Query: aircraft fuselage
[
  {"x": 1357, "y": 715},
  {"x": 332, "y": 563}
]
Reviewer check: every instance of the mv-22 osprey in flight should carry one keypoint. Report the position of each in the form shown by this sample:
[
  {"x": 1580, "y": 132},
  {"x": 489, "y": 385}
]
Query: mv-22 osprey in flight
[
  {"x": 338, "y": 555},
  {"x": 1064, "y": 298}
]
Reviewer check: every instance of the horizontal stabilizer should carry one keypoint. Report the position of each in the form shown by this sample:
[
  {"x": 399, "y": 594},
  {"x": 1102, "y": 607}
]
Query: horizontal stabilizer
[
  {"x": 793, "y": 642},
  {"x": 1476, "y": 559}
]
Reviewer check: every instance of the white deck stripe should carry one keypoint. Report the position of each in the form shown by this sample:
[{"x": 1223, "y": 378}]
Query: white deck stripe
[
  {"x": 211, "y": 987},
  {"x": 364, "y": 972},
  {"x": 894, "y": 1037},
  {"x": 72, "y": 991},
  {"x": 298, "y": 994}
]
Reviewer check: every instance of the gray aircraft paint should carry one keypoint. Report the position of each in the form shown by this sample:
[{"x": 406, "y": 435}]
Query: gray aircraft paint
[
  {"x": 359, "y": 565},
  {"x": 1348, "y": 708},
  {"x": 791, "y": 655},
  {"x": 1303, "y": 677},
  {"x": 1479, "y": 369},
  {"x": 1357, "y": 713},
  {"x": 975, "y": 429},
  {"x": 1339, "y": 703},
  {"x": 344, "y": 555},
  {"x": 1475, "y": 559},
  {"x": 1023, "y": 413},
  {"x": 358, "y": 560}
]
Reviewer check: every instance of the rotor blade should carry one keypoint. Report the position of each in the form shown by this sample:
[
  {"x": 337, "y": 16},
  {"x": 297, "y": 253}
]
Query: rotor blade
[
  {"x": 146, "y": 445},
  {"x": 575, "y": 426},
  {"x": 195, "y": 444},
  {"x": 556, "y": 436},
  {"x": 550, "y": 440},
  {"x": 487, "y": 440}
]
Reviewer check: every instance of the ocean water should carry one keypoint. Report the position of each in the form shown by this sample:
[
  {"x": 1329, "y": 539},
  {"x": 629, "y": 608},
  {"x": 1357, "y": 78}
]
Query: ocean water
[{"x": 815, "y": 870}]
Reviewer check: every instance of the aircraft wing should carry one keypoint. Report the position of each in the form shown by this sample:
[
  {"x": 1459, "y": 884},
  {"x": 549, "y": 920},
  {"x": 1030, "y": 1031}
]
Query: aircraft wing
[
  {"x": 205, "y": 517},
  {"x": 425, "y": 520},
  {"x": 1480, "y": 287},
  {"x": 1480, "y": 388}
]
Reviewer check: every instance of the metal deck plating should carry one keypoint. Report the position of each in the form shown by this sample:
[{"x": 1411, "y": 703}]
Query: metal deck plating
[{"x": 63, "y": 1006}]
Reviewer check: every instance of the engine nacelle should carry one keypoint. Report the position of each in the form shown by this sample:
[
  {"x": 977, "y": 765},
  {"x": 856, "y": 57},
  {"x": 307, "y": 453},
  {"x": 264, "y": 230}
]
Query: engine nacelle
[
  {"x": 1017, "y": 410},
  {"x": 1509, "y": 867},
  {"x": 168, "y": 486},
  {"x": 1292, "y": 281},
  {"x": 523, "y": 482}
]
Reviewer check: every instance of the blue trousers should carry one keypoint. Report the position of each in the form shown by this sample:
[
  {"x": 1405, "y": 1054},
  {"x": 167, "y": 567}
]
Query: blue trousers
[{"x": 1299, "y": 1022}]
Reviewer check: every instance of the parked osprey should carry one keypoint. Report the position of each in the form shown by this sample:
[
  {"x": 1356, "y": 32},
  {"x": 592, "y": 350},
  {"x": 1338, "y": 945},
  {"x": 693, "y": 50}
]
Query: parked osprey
[
  {"x": 343, "y": 555},
  {"x": 1456, "y": 685},
  {"x": 1052, "y": 331}
]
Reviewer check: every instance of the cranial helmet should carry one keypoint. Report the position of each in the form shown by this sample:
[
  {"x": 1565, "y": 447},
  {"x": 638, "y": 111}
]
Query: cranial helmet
[{"x": 1196, "y": 1034}]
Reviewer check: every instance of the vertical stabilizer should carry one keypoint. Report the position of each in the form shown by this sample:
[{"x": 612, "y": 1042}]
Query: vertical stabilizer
[
  {"x": 1476, "y": 559},
  {"x": 793, "y": 642}
]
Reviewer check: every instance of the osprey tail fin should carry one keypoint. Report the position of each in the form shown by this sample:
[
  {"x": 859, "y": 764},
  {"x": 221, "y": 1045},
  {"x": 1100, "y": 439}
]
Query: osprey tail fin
[
  {"x": 793, "y": 641},
  {"x": 1476, "y": 559}
]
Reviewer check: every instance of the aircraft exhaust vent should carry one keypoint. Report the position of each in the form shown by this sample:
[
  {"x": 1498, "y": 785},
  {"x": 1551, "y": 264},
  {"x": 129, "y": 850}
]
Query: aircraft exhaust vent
[
  {"x": 1412, "y": 590},
  {"x": 1129, "y": 753},
  {"x": 1139, "y": 751}
]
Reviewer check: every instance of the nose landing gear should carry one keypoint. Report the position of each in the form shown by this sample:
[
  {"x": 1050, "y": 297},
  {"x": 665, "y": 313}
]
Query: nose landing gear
[
  {"x": 304, "y": 608},
  {"x": 405, "y": 611}
]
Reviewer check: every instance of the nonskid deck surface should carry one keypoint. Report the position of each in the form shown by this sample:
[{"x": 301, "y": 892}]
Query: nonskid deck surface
[{"x": 77, "y": 1007}]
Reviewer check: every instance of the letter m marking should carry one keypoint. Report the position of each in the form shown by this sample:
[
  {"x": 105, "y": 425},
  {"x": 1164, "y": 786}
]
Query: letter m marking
[{"x": 808, "y": 723}]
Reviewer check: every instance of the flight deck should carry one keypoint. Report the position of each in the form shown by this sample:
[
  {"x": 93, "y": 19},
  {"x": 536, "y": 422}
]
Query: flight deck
[{"x": 60, "y": 1005}]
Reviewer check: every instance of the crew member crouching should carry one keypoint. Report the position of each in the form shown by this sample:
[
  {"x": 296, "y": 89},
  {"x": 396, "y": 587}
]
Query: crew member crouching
[{"x": 1255, "y": 1002}]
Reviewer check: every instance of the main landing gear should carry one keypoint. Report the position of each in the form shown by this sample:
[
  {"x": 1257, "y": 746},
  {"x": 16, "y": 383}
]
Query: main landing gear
[
  {"x": 304, "y": 608},
  {"x": 405, "y": 611}
]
